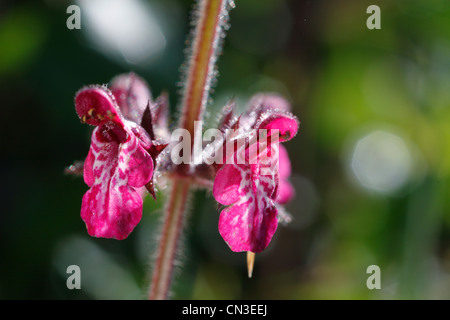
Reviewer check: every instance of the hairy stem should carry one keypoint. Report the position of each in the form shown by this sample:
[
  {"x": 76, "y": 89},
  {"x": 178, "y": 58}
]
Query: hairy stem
[
  {"x": 211, "y": 18},
  {"x": 169, "y": 241}
]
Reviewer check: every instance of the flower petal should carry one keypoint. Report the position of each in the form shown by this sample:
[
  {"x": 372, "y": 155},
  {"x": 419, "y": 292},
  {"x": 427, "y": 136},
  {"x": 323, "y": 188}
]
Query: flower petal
[
  {"x": 251, "y": 220},
  {"x": 248, "y": 225},
  {"x": 132, "y": 95},
  {"x": 265, "y": 101},
  {"x": 138, "y": 163},
  {"x": 284, "y": 163},
  {"x": 227, "y": 185},
  {"x": 286, "y": 191},
  {"x": 113, "y": 207},
  {"x": 286, "y": 124},
  {"x": 96, "y": 105},
  {"x": 111, "y": 212},
  {"x": 88, "y": 170}
]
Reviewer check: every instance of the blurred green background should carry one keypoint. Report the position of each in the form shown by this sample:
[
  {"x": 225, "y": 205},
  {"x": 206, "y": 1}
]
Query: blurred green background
[{"x": 371, "y": 162}]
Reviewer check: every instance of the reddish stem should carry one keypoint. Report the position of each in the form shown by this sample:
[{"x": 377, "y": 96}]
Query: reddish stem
[
  {"x": 170, "y": 237},
  {"x": 206, "y": 46},
  {"x": 212, "y": 17}
]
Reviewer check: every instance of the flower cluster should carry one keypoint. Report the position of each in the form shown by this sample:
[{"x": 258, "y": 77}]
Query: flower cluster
[{"x": 131, "y": 130}]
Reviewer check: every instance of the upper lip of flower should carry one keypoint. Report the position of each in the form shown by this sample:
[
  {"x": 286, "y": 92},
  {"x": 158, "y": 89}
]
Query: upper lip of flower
[{"x": 99, "y": 108}]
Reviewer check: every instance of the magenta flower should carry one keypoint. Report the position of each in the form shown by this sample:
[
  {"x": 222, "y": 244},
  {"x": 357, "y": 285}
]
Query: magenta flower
[
  {"x": 286, "y": 191},
  {"x": 120, "y": 162},
  {"x": 251, "y": 190}
]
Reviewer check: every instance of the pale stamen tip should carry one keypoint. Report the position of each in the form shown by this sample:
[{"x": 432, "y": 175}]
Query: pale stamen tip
[{"x": 250, "y": 262}]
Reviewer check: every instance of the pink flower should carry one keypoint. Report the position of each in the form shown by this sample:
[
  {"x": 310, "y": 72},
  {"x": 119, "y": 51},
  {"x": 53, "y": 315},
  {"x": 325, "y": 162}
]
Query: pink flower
[
  {"x": 286, "y": 191},
  {"x": 251, "y": 190},
  {"x": 120, "y": 162}
]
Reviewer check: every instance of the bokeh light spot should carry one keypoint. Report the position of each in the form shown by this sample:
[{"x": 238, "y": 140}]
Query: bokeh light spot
[{"x": 381, "y": 161}]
